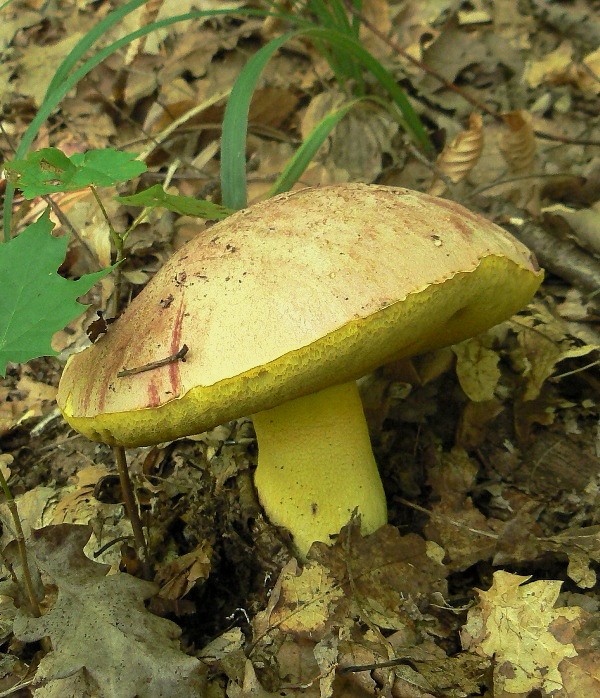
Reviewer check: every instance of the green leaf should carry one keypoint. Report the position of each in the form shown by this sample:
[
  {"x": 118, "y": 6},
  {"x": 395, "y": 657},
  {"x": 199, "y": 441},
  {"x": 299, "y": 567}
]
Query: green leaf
[
  {"x": 156, "y": 197},
  {"x": 35, "y": 302},
  {"x": 49, "y": 170}
]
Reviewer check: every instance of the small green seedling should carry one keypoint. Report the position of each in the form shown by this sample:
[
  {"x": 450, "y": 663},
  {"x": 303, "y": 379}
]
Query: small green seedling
[{"x": 49, "y": 170}]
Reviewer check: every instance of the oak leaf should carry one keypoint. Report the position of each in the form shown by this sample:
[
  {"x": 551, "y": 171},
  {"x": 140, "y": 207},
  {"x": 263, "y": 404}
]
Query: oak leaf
[{"x": 101, "y": 633}]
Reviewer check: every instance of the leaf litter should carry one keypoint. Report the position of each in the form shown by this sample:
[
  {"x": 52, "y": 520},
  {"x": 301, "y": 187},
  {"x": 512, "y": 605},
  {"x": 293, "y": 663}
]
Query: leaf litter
[{"x": 489, "y": 453}]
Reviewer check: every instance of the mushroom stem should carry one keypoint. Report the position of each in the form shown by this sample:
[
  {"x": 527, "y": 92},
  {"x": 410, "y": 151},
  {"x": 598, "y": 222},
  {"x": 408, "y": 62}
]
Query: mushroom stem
[{"x": 316, "y": 466}]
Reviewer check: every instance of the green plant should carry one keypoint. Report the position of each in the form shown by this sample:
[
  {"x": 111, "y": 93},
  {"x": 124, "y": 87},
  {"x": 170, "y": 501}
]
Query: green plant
[
  {"x": 337, "y": 38},
  {"x": 331, "y": 31}
]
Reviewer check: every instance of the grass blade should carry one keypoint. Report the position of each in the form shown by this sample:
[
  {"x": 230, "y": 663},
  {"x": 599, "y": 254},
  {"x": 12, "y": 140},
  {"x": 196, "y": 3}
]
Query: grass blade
[
  {"x": 88, "y": 40},
  {"x": 235, "y": 122},
  {"x": 235, "y": 125},
  {"x": 306, "y": 152}
]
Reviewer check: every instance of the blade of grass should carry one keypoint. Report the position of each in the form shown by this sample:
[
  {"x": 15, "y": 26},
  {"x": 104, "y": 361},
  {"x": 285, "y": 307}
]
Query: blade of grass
[
  {"x": 333, "y": 16},
  {"x": 235, "y": 121},
  {"x": 235, "y": 125},
  {"x": 306, "y": 152}
]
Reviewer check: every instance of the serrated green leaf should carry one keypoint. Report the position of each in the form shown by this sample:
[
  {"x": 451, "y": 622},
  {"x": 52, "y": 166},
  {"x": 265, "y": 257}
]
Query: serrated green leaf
[
  {"x": 49, "y": 170},
  {"x": 156, "y": 196},
  {"x": 35, "y": 302}
]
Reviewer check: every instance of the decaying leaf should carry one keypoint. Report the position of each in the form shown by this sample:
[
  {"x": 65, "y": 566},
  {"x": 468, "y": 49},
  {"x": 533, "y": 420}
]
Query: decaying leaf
[
  {"x": 459, "y": 156},
  {"x": 385, "y": 576},
  {"x": 582, "y": 546},
  {"x": 74, "y": 503},
  {"x": 99, "y": 627},
  {"x": 456, "y": 524},
  {"x": 178, "y": 577},
  {"x": 518, "y": 145},
  {"x": 513, "y": 623},
  {"x": 477, "y": 369},
  {"x": 300, "y": 603},
  {"x": 542, "y": 354}
]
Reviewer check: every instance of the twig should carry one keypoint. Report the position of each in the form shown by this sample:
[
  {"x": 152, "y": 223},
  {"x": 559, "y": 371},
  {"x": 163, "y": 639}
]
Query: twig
[
  {"x": 110, "y": 544},
  {"x": 439, "y": 517},
  {"x": 17, "y": 687},
  {"x": 561, "y": 257},
  {"x": 512, "y": 180},
  {"x": 132, "y": 509},
  {"x": 178, "y": 356},
  {"x": 423, "y": 66},
  {"x": 376, "y": 665},
  {"x": 20, "y": 538}
]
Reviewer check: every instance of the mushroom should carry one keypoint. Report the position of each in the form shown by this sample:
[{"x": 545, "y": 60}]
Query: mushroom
[{"x": 281, "y": 307}]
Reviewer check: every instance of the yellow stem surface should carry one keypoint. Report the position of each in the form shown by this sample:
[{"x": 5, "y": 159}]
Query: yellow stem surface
[{"x": 316, "y": 466}]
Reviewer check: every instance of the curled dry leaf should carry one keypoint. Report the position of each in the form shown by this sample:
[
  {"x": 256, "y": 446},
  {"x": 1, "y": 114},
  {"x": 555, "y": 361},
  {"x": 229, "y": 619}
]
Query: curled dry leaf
[
  {"x": 459, "y": 156},
  {"x": 517, "y": 144},
  {"x": 178, "y": 577}
]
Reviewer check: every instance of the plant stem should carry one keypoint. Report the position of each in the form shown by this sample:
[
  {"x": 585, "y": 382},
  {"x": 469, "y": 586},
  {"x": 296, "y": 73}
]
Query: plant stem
[
  {"x": 20, "y": 538},
  {"x": 131, "y": 508}
]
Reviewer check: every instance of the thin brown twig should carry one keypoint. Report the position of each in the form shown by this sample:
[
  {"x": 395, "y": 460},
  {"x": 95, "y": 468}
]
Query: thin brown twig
[
  {"x": 131, "y": 507},
  {"x": 423, "y": 66},
  {"x": 20, "y": 538},
  {"x": 376, "y": 665},
  {"x": 178, "y": 356}
]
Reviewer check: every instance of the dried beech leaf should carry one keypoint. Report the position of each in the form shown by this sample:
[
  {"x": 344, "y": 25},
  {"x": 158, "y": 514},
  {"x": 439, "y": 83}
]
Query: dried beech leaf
[
  {"x": 459, "y": 156},
  {"x": 100, "y": 630},
  {"x": 517, "y": 144}
]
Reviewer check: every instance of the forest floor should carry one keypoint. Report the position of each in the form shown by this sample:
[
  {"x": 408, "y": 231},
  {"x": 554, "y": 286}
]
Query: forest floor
[{"x": 484, "y": 581}]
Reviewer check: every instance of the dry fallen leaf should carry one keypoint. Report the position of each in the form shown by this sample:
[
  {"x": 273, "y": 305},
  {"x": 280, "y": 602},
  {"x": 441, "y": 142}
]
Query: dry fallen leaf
[
  {"x": 477, "y": 369},
  {"x": 300, "y": 603},
  {"x": 513, "y": 623},
  {"x": 178, "y": 577},
  {"x": 518, "y": 144},
  {"x": 386, "y": 577},
  {"x": 459, "y": 156},
  {"x": 100, "y": 629},
  {"x": 456, "y": 523}
]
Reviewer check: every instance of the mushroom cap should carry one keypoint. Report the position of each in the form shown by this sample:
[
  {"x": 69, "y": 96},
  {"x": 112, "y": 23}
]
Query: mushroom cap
[{"x": 297, "y": 293}]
